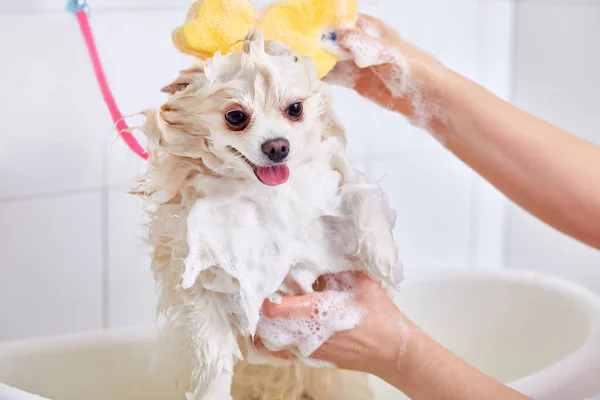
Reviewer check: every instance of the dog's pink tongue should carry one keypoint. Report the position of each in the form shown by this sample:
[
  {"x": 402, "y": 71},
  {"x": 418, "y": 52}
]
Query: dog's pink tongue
[{"x": 273, "y": 176}]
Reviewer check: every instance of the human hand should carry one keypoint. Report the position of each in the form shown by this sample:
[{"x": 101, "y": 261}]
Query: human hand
[
  {"x": 361, "y": 348},
  {"x": 381, "y": 345},
  {"x": 389, "y": 71}
]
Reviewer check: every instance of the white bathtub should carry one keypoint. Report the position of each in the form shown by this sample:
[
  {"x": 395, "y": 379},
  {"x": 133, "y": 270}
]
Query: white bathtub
[{"x": 539, "y": 334}]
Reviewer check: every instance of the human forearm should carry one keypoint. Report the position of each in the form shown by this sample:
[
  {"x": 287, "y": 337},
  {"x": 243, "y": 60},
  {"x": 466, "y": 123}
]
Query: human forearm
[
  {"x": 547, "y": 171},
  {"x": 429, "y": 371},
  {"x": 387, "y": 344}
]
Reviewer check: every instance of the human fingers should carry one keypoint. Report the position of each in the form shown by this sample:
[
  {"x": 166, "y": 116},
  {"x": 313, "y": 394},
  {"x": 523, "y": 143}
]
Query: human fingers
[
  {"x": 291, "y": 306},
  {"x": 283, "y": 354}
]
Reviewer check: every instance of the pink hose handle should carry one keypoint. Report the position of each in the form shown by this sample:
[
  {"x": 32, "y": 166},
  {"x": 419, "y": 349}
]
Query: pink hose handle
[{"x": 115, "y": 114}]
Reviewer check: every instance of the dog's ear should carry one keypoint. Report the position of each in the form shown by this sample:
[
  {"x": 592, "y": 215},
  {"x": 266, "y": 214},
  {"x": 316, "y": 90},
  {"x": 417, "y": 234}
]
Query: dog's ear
[
  {"x": 185, "y": 78},
  {"x": 333, "y": 126}
]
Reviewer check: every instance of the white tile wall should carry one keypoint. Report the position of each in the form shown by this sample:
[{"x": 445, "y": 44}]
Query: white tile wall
[
  {"x": 431, "y": 192},
  {"x": 496, "y": 45},
  {"x": 51, "y": 269},
  {"x": 557, "y": 64},
  {"x": 136, "y": 72},
  {"x": 131, "y": 300},
  {"x": 52, "y": 116},
  {"x": 105, "y": 5},
  {"x": 353, "y": 111},
  {"x": 60, "y": 142}
]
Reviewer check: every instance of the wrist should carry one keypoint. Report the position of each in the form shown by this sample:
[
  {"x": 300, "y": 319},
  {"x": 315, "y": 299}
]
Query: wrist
[
  {"x": 431, "y": 85},
  {"x": 392, "y": 352},
  {"x": 407, "y": 370},
  {"x": 459, "y": 103}
]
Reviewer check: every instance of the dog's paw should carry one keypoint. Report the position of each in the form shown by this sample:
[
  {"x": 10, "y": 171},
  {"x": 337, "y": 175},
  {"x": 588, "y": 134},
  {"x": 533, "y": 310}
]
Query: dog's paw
[
  {"x": 380, "y": 254},
  {"x": 204, "y": 270},
  {"x": 195, "y": 264}
]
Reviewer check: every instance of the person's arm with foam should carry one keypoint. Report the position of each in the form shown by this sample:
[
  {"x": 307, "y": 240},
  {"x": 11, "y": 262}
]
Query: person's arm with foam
[
  {"x": 388, "y": 345},
  {"x": 551, "y": 173}
]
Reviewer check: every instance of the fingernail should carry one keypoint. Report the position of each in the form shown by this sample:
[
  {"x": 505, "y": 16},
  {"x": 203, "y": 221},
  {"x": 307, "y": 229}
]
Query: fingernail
[
  {"x": 275, "y": 298},
  {"x": 330, "y": 36}
]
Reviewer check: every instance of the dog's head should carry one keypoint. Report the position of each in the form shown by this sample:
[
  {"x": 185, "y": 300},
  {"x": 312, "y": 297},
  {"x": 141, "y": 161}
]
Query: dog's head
[{"x": 253, "y": 114}]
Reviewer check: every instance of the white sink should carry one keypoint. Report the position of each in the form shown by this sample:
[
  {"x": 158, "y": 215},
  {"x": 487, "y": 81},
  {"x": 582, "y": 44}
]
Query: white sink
[{"x": 539, "y": 334}]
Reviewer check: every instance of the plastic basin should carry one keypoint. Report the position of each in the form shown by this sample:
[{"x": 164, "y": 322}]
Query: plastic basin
[{"x": 539, "y": 334}]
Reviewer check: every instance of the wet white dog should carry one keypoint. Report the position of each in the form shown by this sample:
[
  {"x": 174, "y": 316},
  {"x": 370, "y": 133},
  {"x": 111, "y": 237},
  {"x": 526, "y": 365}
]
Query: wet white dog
[{"x": 253, "y": 198}]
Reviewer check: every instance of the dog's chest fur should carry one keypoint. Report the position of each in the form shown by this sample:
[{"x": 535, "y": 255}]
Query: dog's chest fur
[
  {"x": 223, "y": 251},
  {"x": 257, "y": 240}
]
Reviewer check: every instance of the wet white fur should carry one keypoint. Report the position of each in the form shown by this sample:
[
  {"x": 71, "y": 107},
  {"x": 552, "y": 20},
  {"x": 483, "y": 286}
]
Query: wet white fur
[{"x": 223, "y": 241}]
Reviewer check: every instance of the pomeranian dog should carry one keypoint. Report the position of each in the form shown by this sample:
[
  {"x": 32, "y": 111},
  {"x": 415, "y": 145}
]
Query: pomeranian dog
[{"x": 252, "y": 197}]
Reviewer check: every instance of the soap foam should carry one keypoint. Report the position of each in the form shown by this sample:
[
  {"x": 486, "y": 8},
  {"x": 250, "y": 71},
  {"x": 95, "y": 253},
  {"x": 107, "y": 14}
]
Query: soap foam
[
  {"x": 332, "y": 311},
  {"x": 370, "y": 28},
  {"x": 366, "y": 50},
  {"x": 369, "y": 52}
]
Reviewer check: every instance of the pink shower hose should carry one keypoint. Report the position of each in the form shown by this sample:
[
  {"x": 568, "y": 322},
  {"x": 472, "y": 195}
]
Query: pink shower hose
[{"x": 116, "y": 115}]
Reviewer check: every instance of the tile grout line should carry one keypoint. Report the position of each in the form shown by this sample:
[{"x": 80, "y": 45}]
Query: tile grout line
[
  {"x": 105, "y": 262},
  {"x": 474, "y": 220},
  {"x": 63, "y": 193},
  {"x": 50, "y": 195},
  {"x": 104, "y": 241},
  {"x": 512, "y": 95},
  {"x": 95, "y": 10},
  {"x": 162, "y": 8},
  {"x": 475, "y": 188},
  {"x": 368, "y": 160}
]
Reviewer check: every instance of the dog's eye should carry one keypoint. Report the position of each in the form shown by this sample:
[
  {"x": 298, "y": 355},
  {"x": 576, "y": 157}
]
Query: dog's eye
[
  {"x": 237, "y": 120},
  {"x": 295, "y": 111}
]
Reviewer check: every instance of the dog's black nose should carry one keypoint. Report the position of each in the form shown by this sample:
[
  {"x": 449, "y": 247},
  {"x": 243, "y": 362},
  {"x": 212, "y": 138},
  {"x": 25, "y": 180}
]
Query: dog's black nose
[{"x": 276, "y": 149}]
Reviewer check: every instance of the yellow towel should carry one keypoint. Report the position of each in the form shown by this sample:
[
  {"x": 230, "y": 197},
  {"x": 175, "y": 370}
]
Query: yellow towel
[{"x": 221, "y": 25}]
